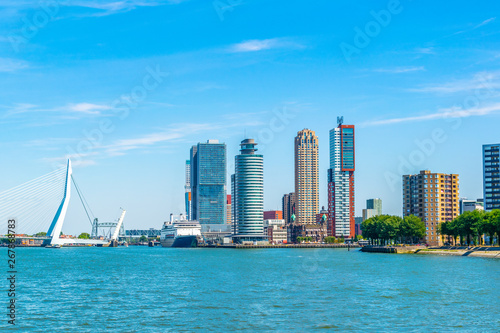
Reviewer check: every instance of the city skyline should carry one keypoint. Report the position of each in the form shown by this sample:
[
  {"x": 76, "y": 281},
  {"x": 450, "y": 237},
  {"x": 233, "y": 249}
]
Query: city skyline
[{"x": 412, "y": 99}]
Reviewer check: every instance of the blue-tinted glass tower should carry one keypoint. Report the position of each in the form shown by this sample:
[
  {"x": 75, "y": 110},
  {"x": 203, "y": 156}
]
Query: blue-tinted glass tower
[{"x": 208, "y": 182}]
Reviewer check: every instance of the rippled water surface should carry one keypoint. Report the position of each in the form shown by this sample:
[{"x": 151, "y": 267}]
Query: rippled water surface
[{"x": 140, "y": 289}]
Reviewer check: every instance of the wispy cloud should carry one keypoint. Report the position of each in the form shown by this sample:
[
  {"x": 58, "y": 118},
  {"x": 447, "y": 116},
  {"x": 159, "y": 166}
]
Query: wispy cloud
[
  {"x": 454, "y": 112},
  {"x": 256, "y": 45},
  {"x": 482, "y": 80},
  {"x": 87, "y": 108},
  {"x": 105, "y": 8},
  {"x": 12, "y": 65},
  {"x": 72, "y": 109},
  {"x": 425, "y": 50},
  {"x": 174, "y": 133},
  {"x": 477, "y": 26},
  {"x": 485, "y": 22},
  {"x": 156, "y": 140},
  {"x": 94, "y": 8},
  {"x": 399, "y": 70}
]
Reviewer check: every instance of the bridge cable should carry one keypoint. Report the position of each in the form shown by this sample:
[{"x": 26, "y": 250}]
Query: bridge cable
[{"x": 82, "y": 199}]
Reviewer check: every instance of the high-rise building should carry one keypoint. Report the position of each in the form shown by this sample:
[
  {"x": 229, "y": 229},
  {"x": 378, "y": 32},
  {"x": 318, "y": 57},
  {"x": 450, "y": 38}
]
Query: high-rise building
[
  {"x": 187, "y": 189},
  {"x": 491, "y": 176},
  {"x": 208, "y": 182},
  {"x": 306, "y": 177},
  {"x": 288, "y": 204},
  {"x": 341, "y": 181},
  {"x": 373, "y": 208},
  {"x": 357, "y": 225},
  {"x": 273, "y": 215},
  {"x": 248, "y": 187},
  {"x": 229, "y": 211},
  {"x": 193, "y": 169},
  {"x": 233, "y": 205},
  {"x": 369, "y": 213},
  {"x": 375, "y": 204},
  {"x": 433, "y": 197},
  {"x": 467, "y": 205}
]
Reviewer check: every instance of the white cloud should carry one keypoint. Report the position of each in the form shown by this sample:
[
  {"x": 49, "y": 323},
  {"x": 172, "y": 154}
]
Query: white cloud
[
  {"x": 448, "y": 113},
  {"x": 399, "y": 70},
  {"x": 12, "y": 65},
  {"x": 72, "y": 108},
  {"x": 105, "y": 8},
  {"x": 176, "y": 132},
  {"x": 425, "y": 50},
  {"x": 87, "y": 108},
  {"x": 262, "y": 44},
  {"x": 480, "y": 81},
  {"x": 9, "y": 8},
  {"x": 485, "y": 22}
]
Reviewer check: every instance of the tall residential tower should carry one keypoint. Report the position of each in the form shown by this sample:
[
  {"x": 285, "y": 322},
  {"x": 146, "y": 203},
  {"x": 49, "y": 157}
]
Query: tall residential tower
[
  {"x": 491, "y": 176},
  {"x": 248, "y": 194},
  {"x": 341, "y": 181},
  {"x": 306, "y": 177},
  {"x": 433, "y": 197}
]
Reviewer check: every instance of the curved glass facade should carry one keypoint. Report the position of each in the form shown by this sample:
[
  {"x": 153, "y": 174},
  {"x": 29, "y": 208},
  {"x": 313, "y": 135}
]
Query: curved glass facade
[{"x": 249, "y": 191}]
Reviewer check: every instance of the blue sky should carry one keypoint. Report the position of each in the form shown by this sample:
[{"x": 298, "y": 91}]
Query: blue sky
[{"x": 145, "y": 80}]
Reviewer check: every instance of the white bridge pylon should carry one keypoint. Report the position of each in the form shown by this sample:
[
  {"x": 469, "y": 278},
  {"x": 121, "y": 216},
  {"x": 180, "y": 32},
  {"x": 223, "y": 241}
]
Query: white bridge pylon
[
  {"x": 57, "y": 223},
  {"x": 33, "y": 205}
]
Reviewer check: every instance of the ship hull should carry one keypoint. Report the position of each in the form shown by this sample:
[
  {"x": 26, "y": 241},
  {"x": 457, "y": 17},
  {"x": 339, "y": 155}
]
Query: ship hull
[{"x": 180, "y": 241}]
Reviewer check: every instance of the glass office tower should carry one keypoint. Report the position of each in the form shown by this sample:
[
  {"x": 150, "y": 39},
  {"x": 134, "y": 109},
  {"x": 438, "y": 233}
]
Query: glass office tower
[{"x": 208, "y": 182}]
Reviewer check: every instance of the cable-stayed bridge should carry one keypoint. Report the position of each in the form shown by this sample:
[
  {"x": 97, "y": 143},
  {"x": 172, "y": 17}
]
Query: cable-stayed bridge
[{"x": 42, "y": 203}]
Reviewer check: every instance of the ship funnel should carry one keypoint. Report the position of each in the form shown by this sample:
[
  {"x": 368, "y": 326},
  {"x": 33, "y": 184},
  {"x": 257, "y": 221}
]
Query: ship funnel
[{"x": 171, "y": 218}]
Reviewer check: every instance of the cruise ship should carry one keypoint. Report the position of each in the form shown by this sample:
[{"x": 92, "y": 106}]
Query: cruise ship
[{"x": 180, "y": 233}]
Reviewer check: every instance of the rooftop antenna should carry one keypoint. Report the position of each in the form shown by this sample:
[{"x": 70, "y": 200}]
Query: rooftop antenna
[{"x": 340, "y": 120}]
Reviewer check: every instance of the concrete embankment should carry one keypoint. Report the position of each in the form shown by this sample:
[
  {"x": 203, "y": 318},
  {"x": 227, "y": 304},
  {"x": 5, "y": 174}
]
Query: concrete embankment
[
  {"x": 484, "y": 252},
  {"x": 392, "y": 249},
  {"x": 287, "y": 246}
]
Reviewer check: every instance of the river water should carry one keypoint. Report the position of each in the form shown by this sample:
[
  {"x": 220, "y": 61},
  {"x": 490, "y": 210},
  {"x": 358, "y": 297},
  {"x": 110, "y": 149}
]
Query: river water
[{"x": 140, "y": 289}]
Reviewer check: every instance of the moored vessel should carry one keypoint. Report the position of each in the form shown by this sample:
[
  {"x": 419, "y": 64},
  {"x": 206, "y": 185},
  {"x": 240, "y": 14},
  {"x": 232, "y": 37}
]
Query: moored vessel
[{"x": 180, "y": 233}]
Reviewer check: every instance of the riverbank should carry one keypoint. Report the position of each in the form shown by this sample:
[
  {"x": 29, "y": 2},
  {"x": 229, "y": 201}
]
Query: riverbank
[
  {"x": 284, "y": 246},
  {"x": 483, "y": 252},
  {"x": 479, "y": 251}
]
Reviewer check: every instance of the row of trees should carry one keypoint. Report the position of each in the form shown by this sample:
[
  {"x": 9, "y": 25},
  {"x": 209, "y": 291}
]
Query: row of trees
[
  {"x": 387, "y": 229},
  {"x": 301, "y": 239},
  {"x": 334, "y": 240},
  {"x": 470, "y": 227}
]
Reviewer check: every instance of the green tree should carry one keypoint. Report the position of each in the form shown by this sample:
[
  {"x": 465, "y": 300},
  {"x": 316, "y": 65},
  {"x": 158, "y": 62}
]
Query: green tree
[
  {"x": 488, "y": 225},
  {"x": 453, "y": 230},
  {"x": 467, "y": 225},
  {"x": 330, "y": 240},
  {"x": 84, "y": 235},
  {"x": 369, "y": 228},
  {"x": 495, "y": 220},
  {"x": 41, "y": 234},
  {"x": 387, "y": 229},
  {"x": 480, "y": 226},
  {"x": 143, "y": 239},
  {"x": 442, "y": 229}
]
